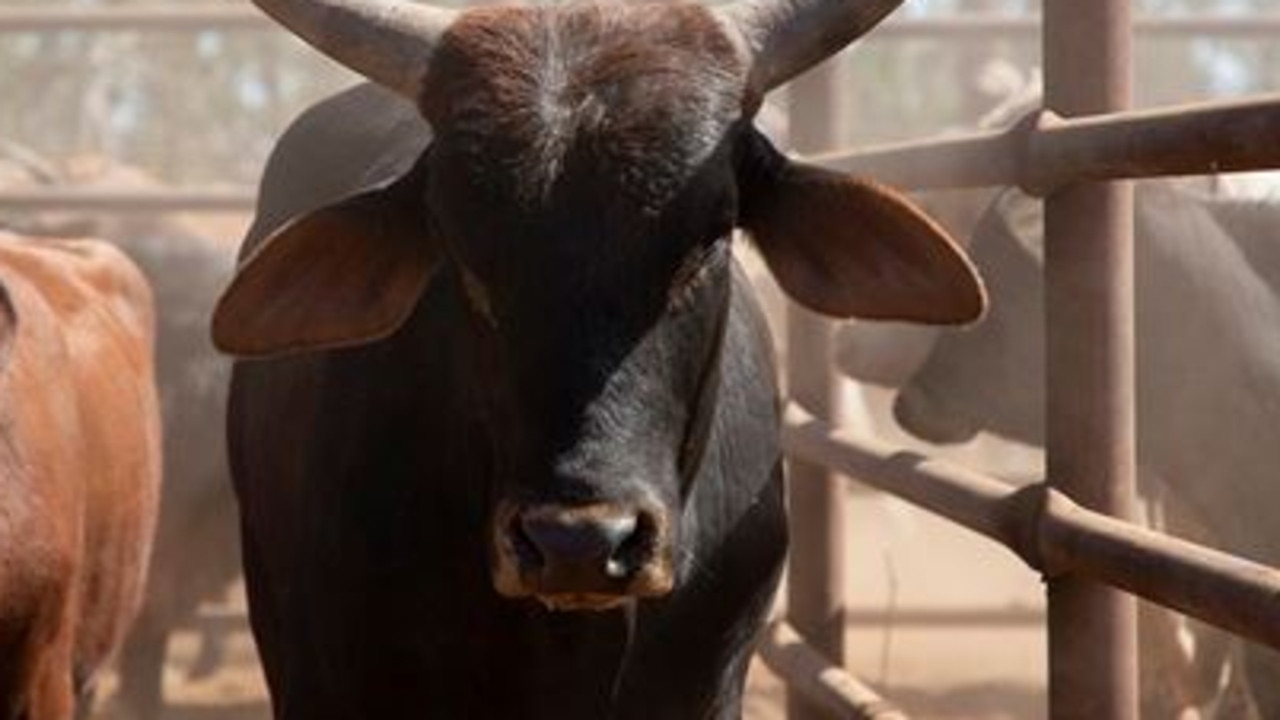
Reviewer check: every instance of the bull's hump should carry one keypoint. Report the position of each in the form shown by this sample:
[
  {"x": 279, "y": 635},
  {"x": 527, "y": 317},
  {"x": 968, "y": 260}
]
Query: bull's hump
[{"x": 638, "y": 95}]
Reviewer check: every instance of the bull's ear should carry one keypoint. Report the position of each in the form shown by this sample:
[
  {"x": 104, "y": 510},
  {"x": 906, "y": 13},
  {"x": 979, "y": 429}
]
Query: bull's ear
[
  {"x": 851, "y": 248},
  {"x": 347, "y": 274}
]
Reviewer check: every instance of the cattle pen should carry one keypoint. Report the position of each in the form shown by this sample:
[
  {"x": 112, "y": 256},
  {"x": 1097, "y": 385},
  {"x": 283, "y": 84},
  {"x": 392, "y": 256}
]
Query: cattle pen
[
  {"x": 1071, "y": 527},
  {"x": 1075, "y": 528}
]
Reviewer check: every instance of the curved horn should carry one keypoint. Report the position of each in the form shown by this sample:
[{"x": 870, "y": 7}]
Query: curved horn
[
  {"x": 783, "y": 38},
  {"x": 389, "y": 42}
]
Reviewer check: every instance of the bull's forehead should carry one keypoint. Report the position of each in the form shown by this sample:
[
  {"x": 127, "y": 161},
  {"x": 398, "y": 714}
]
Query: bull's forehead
[{"x": 625, "y": 99}]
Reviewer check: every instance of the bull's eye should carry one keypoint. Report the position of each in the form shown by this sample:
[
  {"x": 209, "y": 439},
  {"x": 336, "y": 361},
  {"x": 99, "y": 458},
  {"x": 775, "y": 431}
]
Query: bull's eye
[{"x": 477, "y": 296}]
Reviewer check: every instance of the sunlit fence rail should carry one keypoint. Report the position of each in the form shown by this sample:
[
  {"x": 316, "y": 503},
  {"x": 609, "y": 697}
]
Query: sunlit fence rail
[
  {"x": 125, "y": 201},
  {"x": 1045, "y": 151}
]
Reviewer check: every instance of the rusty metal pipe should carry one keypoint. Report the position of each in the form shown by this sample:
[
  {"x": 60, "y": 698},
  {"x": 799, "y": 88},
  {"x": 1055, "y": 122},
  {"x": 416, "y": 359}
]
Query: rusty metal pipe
[
  {"x": 970, "y": 160},
  {"x": 1215, "y": 137},
  {"x": 1053, "y": 534},
  {"x": 823, "y": 683},
  {"x": 1089, "y": 352},
  {"x": 1041, "y": 154},
  {"x": 1235, "y": 594},
  {"x": 978, "y": 502}
]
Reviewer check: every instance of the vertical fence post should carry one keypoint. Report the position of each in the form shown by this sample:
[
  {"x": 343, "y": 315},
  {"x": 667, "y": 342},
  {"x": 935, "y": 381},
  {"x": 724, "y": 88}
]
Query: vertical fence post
[
  {"x": 1090, "y": 372},
  {"x": 815, "y": 600}
]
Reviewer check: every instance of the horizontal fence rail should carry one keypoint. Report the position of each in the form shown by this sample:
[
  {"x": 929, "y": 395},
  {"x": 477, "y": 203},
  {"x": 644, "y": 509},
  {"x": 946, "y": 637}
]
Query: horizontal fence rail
[
  {"x": 1054, "y": 535},
  {"x": 196, "y": 17},
  {"x": 152, "y": 17},
  {"x": 1040, "y": 153},
  {"x": 823, "y": 683},
  {"x": 1260, "y": 27},
  {"x": 117, "y": 201},
  {"x": 1044, "y": 152},
  {"x": 1014, "y": 616}
]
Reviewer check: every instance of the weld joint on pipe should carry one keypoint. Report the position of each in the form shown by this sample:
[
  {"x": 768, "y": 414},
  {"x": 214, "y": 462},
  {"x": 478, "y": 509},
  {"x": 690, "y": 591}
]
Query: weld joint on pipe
[
  {"x": 1058, "y": 527},
  {"x": 1037, "y": 174},
  {"x": 1022, "y": 525}
]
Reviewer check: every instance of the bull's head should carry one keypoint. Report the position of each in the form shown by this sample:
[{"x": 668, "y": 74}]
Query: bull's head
[{"x": 588, "y": 167}]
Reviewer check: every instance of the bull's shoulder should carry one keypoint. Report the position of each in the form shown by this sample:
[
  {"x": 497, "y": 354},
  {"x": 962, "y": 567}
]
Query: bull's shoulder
[{"x": 80, "y": 281}]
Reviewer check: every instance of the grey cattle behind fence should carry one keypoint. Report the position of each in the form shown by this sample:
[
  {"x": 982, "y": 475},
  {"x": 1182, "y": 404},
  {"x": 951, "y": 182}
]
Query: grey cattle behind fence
[{"x": 1208, "y": 386}]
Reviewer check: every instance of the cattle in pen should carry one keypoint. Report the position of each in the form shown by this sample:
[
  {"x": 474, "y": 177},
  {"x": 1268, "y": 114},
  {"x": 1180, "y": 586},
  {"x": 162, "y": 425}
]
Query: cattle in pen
[
  {"x": 79, "y": 466},
  {"x": 1207, "y": 387},
  {"x": 505, "y": 431}
]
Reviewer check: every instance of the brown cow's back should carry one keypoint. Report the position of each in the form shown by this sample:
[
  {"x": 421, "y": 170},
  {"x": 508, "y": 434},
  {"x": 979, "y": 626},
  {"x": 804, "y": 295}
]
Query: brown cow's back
[{"x": 79, "y": 464}]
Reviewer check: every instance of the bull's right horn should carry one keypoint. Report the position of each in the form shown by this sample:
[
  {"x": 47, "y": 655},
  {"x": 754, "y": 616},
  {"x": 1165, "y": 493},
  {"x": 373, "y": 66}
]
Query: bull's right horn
[{"x": 389, "y": 42}]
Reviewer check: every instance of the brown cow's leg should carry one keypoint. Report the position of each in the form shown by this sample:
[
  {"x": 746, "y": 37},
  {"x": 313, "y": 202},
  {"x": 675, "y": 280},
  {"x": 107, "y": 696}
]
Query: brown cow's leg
[
  {"x": 52, "y": 692},
  {"x": 15, "y": 671}
]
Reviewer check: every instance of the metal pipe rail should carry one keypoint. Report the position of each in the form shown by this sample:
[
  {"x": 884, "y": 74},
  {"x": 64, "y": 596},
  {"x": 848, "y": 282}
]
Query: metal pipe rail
[
  {"x": 1044, "y": 152},
  {"x": 166, "y": 17},
  {"x": 197, "y": 17},
  {"x": 1039, "y": 154},
  {"x": 823, "y": 683},
  {"x": 192, "y": 200},
  {"x": 1054, "y": 535},
  {"x": 1260, "y": 27}
]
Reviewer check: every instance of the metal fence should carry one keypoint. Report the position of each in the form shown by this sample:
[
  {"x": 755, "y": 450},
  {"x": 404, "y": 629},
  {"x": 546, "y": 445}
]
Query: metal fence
[
  {"x": 201, "y": 16},
  {"x": 1071, "y": 528}
]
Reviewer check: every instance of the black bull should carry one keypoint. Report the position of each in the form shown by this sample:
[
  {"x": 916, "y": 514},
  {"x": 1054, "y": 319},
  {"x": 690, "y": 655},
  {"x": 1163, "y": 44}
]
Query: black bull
[{"x": 510, "y": 446}]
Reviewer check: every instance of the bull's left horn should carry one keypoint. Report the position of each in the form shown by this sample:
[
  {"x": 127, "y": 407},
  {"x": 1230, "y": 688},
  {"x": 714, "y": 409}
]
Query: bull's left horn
[
  {"x": 783, "y": 38},
  {"x": 389, "y": 42}
]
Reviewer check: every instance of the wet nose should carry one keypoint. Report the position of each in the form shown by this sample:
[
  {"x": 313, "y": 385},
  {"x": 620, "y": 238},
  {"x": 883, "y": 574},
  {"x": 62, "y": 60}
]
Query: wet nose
[
  {"x": 589, "y": 541},
  {"x": 590, "y": 549}
]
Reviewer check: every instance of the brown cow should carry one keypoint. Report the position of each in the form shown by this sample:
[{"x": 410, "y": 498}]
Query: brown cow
[
  {"x": 196, "y": 553},
  {"x": 79, "y": 466}
]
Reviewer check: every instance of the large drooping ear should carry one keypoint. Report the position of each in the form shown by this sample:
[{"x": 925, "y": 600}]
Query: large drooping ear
[
  {"x": 847, "y": 247},
  {"x": 347, "y": 274}
]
